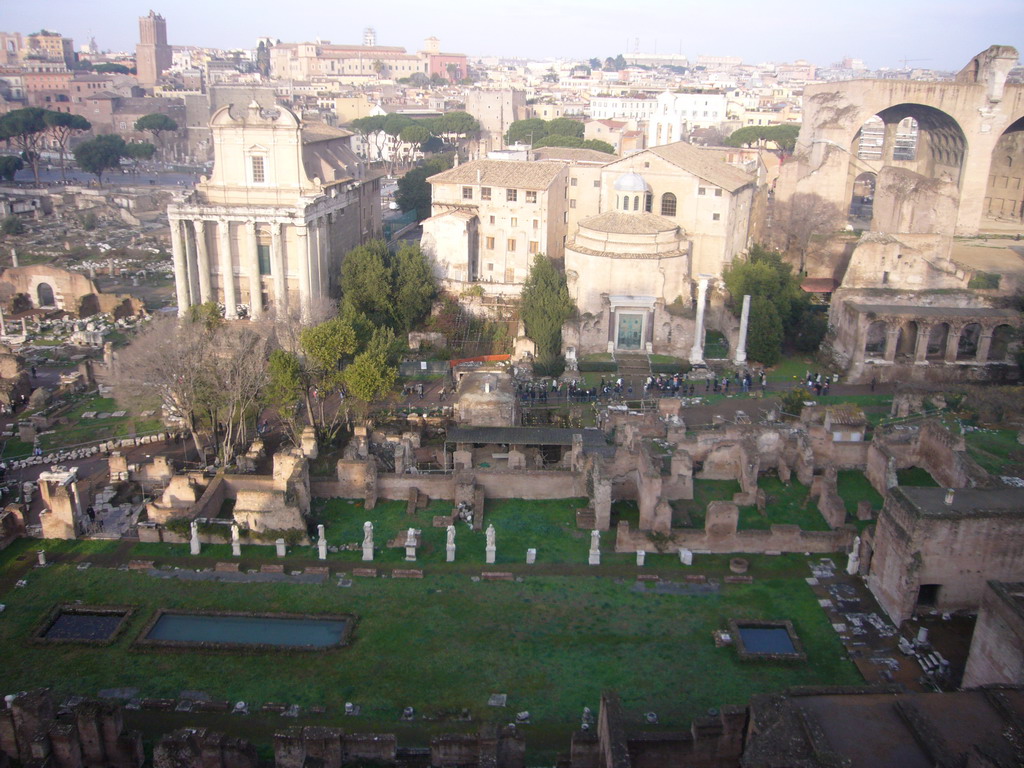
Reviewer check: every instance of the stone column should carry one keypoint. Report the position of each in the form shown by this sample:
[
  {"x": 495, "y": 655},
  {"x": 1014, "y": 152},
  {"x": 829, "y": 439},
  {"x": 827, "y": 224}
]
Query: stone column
[
  {"x": 889, "y": 142},
  {"x": 191, "y": 265},
  {"x": 984, "y": 345},
  {"x": 303, "y": 263},
  {"x": 205, "y": 294},
  {"x": 3, "y": 327},
  {"x": 227, "y": 269},
  {"x": 180, "y": 268},
  {"x": 741, "y": 347},
  {"x": 952, "y": 344},
  {"x": 697, "y": 350},
  {"x": 892, "y": 337},
  {"x": 253, "y": 268},
  {"x": 921, "y": 348},
  {"x": 314, "y": 258},
  {"x": 278, "y": 268}
]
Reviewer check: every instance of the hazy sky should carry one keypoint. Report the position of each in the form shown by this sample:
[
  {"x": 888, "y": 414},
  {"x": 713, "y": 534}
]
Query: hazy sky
[{"x": 940, "y": 34}]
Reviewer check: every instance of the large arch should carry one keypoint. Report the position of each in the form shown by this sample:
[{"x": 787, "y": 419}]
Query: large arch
[
  {"x": 862, "y": 200},
  {"x": 1005, "y": 342},
  {"x": 967, "y": 346},
  {"x": 1004, "y": 197},
  {"x": 906, "y": 342},
  {"x": 938, "y": 338},
  {"x": 979, "y": 102},
  {"x": 874, "y": 339},
  {"x": 44, "y": 295}
]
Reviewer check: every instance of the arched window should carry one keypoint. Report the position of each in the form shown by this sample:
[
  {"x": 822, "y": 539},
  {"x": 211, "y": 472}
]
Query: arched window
[
  {"x": 648, "y": 202},
  {"x": 668, "y": 204},
  {"x": 636, "y": 202}
]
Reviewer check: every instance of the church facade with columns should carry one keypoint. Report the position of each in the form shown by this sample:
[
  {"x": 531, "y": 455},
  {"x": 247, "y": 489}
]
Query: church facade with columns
[{"x": 267, "y": 231}]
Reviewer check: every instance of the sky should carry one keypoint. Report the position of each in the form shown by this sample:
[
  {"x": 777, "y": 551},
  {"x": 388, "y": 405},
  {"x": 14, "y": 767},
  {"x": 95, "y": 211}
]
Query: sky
[{"x": 935, "y": 34}]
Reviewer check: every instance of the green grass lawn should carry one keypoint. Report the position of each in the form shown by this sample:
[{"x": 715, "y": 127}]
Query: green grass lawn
[
  {"x": 997, "y": 451},
  {"x": 854, "y": 487},
  {"x": 78, "y": 430},
  {"x": 552, "y": 643},
  {"x": 915, "y": 476},
  {"x": 785, "y": 504}
]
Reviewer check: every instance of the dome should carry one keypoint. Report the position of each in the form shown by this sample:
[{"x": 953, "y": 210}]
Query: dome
[{"x": 631, "y": 182}]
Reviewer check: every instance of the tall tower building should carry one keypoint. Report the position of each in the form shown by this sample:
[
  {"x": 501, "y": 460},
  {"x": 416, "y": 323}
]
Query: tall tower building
[
  {"x": 152, "y": 54},
  {"x": 370, "y": 36}
]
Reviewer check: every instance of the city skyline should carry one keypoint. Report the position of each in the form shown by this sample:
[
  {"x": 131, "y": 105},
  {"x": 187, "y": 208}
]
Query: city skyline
[{"x": 936, "y": 35}]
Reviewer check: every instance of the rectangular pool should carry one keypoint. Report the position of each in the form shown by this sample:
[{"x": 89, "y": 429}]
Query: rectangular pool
[
  {"x": 766, "y": 640},
  {"x": 219, "y": 630},
  {"x": 84, "y": 626}
]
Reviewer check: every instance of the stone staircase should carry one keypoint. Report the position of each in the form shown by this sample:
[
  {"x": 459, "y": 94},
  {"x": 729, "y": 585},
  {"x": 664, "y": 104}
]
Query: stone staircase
[{"x": 633, "y": 370}]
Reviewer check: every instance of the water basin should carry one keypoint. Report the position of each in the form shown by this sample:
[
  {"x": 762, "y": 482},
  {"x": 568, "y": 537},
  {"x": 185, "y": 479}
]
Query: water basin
[
  {"x": 220, "y": 630},
  {"x": 766, "y": 640},
  {"x": 84, "y": 626}
]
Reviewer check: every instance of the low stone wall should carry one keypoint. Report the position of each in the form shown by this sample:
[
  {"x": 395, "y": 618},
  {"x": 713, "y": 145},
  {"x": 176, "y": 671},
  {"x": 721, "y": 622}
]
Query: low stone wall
[{"x": 778, "y": 538}]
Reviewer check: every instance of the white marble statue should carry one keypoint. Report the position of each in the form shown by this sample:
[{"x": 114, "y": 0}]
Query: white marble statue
[
  {"x": 368, "y": 534},
  {"x": 490, "y": 536},
  {"x": 451, "y": 536}
]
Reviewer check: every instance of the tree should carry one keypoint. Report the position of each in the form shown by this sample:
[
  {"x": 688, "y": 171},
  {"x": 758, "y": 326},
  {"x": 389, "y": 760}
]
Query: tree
[
  {"x": 527, "y": 131},
  {"x": 370, "y": 377},
  {"x": 10, "y": 165},
  {"x": 564, "y": 126},
  {"x": 156, "y": 123},
  {"x": 415, "y": 287},
  {"x": 112, "y": 69},
  {"x": 371, "y": 130},
  {"x": 801, "y": 219},
  {"x": 139, "y": 150},
  {"x": 26, "y": 128},
  {"x": 782, "y": 136},
  {"x": 101, "y": 154},
  {"x": 453, "y": 72},
  {"x": 414, "y": 191},
  {"x": 574, "y": 143},
  {"x": 366, "y": 281},
  {"x": 764, "y": 331},
  {"x": 545, "y": 305},
  {"x": 12, "y": 225},
  {"x": 61, "y": 126}
]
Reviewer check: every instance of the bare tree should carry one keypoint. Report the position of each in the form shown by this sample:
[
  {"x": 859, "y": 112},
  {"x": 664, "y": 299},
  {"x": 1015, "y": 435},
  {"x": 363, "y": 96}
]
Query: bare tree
[
  {"x": 796, "y": 223},
  {"x": 169, "y": 362},
  {"x": 238, "y": 375}
]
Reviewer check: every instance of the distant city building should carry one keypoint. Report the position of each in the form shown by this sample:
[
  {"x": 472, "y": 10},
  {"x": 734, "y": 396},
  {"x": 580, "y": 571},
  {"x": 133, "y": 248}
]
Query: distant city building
[
  {"x": 152, "y": 55},
  {"x": 267, "y": 231},
  {"x": 495, "y": 110},
  {"x": 676, "y": 114},
  {"x": 51, "y": 46}
]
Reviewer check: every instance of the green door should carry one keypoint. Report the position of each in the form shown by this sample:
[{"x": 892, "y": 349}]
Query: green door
[{"x": 630, "y": 329}]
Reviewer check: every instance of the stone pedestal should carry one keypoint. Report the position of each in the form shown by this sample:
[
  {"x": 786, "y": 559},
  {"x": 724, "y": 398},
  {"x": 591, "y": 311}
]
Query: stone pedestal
[
  {"x": 595, "y": 548},
  {"x": 685, "y": 556},
  {"x": 367, "y": 553},
  {"x": 641, "y": 556},
  {"x": 41, "y": 556},
  {"x": 491, "y": 551},
  {"x": 321, "y": 543},
  {"x": 236, "y": 548},
  {"x": 410, "y": 554},
  {"x": 449, "y": 554},
  {"x": 531, "y": 556},
  {"x": 193, "y": 544},
  {"x": 282, "y": 550},
  {"x": 594, "y": 558}
]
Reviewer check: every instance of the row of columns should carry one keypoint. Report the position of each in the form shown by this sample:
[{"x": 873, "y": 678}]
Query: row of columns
[
  {"x": 892, "y": 334},
  {"x": 192, "y": 269}
]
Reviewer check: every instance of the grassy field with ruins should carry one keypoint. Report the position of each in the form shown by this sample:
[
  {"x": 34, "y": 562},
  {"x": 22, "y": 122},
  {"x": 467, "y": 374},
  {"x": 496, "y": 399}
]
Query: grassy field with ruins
[{"x": 552, "y": 642}]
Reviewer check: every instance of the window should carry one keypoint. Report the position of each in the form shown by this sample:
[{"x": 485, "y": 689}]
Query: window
[
  {"x": 534, "y": 246},
  {"x": 485, "y": 193},
  {"x": 648, "y": 202},
  {"x": 716, "y": 217},
  {"x": 572, "y": 182},
  {"x": 668, "y": 204},
  {"x": 636, "y": 202},
  {"x": 647, "y": 165},
  {"x": 701, "y": 191},
  {"x": 492, "y": 219},
  {"x": 490, "y": 267},
  {"x": 511, "y": 195},
  {"x": 515, "y": 222},
  {"x": 597, "y": 184},
  {"x": 718, "y": 193},
  {"x": 490, "y": 243},
  {"x": 531, "y": 196},
  {"x": 258, "y": 172},
  {"x": 536, "y": 224},
  {"x": 263, "y": 254},
  {"x": 511, "y": 244},
  {"x": 467, "y": 193}
]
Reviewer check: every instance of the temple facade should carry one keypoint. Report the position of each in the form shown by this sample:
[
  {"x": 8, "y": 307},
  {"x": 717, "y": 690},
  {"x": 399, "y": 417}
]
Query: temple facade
[{"x": 269, "y": 228}]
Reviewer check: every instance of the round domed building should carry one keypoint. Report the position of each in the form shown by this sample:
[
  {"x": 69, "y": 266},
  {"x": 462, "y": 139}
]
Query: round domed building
[{"x": 623, "y": 267}]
